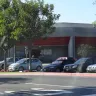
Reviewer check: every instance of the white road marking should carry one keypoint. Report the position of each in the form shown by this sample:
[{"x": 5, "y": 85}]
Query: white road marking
[
  {"x": 24, "y": 90},
  {"x": 58, "y": 92},
  {"x": 90, "y": 95},
  {"x": 37, "y": 88},
  {"x": 9, "y": 91},
  {"x": 51, "y": 85},
  {"x": 1, "y": 93},
  {"x": 50, "y": 92},
  {"x": 42, "y": 89}
]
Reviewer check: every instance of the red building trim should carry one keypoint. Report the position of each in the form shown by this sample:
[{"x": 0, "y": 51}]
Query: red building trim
[
  {"x": 49, "y": 41},
  {"x": 85, "y": 40}
]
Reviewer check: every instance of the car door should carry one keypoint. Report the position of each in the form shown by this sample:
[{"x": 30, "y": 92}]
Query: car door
[
  {"x": 34, "y": 63},
  {"x": 63, "y": 63},
  {"x": 25, "y": 64}
]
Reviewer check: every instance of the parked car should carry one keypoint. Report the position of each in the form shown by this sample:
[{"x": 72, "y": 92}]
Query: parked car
[
  {"x": 80, "y": 65},
  {"x": 58, "y": 64},
  {"x": 23, "y": 64},
  {"x": 9, "y": 60},
  {"x": 91, "y": 68}
]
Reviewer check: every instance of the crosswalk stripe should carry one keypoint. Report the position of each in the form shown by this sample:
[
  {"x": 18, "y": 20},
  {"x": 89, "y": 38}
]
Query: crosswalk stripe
[
  {"x": 51, "y": 94},
  {"x": 37, "y": 88},
  {"x": 9, "y": 91}
]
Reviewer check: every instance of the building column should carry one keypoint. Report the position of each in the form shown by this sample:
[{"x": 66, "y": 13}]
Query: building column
[{"x": 71, "y": 47}]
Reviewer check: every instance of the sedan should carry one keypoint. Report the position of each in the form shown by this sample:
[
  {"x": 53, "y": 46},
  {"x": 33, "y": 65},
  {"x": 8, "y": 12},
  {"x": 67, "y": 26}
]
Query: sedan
[
  {"x": 23, "y": 64},
  {"x": 57, "y": 66}
]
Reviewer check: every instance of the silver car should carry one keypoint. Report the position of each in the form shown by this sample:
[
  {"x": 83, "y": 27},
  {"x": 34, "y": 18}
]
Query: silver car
[
  {"x": 91, "y": 68},
  {"x": 9, "y": 60},
  {"x": 23, "y": 64}
]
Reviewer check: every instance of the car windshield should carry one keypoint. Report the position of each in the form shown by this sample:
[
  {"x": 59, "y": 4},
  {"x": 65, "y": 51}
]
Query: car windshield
[
  {"x": 57, "y": 62},
  {"x": 80, "y": 61},
  {"x": 21, "y": 61}
]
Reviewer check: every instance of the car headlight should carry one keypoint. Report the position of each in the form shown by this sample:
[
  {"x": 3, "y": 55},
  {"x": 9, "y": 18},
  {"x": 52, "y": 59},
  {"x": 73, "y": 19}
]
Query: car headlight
[
  {"x": 64, "y": 67},
  {"x": 13, "y": 67},
  {"x": 74, "y": 66},
  {"x": 87, "y": 68}
]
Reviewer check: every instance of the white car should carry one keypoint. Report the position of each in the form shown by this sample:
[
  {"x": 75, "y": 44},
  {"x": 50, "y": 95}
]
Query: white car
[
  {"x": 91, "y": 68},
  {"x": 23, "y": 64},
  {"x": 9, "y": 60}
]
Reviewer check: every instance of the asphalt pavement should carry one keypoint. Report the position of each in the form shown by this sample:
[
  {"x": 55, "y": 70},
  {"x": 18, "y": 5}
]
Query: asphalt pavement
[{"x": 42, "y": 85}]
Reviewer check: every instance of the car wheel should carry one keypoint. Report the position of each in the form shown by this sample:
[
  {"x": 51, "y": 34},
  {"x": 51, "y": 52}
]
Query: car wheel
[
  {"x": 21, "y": 69},
  {"x": 57, "y": 70},
  {"x": 38, "y": 68}
]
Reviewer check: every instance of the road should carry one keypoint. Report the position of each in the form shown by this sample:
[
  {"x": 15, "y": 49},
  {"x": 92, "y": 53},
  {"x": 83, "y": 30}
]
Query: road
[{"x": 47, "y": 86}]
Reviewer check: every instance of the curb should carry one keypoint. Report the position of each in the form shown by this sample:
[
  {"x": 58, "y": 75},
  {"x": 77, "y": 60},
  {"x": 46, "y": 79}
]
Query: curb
[{"x": 49, "y": 74}]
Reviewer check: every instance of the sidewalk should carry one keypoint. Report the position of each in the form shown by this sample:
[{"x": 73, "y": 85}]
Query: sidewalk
[{"x": 47, "y": 74}]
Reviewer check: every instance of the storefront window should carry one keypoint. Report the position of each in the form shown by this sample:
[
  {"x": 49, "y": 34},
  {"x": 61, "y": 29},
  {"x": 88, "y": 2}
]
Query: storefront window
[{"x": 46, "y": 52}]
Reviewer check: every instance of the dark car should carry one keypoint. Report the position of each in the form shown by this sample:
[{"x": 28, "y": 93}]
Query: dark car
[
  {"x": 80, "y": 65},
  {"x": 58, "y": 64}
]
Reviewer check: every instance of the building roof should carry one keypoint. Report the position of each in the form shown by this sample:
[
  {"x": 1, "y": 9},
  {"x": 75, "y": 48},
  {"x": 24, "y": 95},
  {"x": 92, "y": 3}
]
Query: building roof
[
  {"x": 74, "y": 29},
  {"x": 66, "y": 24}
]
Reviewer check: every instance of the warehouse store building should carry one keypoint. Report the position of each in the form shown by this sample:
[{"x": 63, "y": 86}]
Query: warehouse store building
[{"x": 63, "y": 42}]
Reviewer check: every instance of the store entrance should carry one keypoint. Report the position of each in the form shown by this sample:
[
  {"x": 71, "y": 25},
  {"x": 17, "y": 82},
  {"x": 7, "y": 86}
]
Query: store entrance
[{"x": 35, "y": 53}]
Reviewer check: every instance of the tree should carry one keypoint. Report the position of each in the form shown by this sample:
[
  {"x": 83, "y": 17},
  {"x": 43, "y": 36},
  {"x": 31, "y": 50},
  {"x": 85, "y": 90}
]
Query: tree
[
  {"x": 36, "y": 20},
  {"x": 85, "y": 50},
  {"x": 27, "y": 21},
  {"x": 6, "y": 26}
]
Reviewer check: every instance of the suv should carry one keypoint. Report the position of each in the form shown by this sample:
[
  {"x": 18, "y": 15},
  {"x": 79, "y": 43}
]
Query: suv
[
  {"x": 58, "y": 64},
  {"x": 80, "y": 65}
]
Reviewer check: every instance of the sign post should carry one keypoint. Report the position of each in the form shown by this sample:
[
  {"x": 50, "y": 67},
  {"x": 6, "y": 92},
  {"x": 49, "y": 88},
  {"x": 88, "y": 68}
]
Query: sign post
[{"x": 26, "y": 51}]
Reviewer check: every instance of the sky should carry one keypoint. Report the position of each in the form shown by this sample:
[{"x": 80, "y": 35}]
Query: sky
[{"x": 74, "y": 11}]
